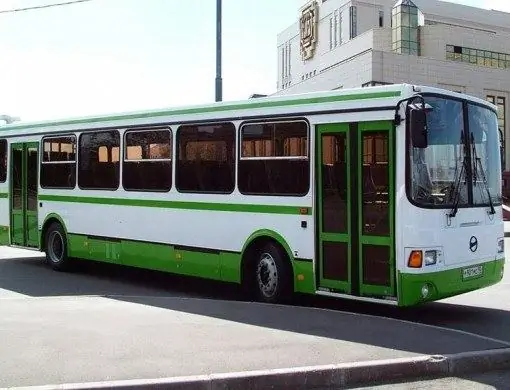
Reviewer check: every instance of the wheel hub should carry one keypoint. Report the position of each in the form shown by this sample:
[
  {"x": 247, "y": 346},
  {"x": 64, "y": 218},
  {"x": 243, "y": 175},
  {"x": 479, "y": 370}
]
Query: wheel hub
[
  {"x": 267, "y": 275},
  {"x": 56, "y": 247}
]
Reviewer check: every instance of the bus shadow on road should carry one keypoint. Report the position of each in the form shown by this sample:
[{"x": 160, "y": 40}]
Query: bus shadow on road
[
  {"x": 32, "y": 277},
  {"x": 361, "y": 328},
  {"x": 362, "y": 323}
]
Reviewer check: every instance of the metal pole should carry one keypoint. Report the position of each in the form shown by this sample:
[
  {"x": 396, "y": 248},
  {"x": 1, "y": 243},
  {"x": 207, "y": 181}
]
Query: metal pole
[{"x": 219, "y": 81}]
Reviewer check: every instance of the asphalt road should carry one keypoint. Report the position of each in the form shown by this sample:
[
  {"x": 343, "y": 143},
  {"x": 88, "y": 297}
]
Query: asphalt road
[
  {"x": 485, "y": 312},
  {"x": 80, "y": 306},
  {"x": 107, "y": 323}
]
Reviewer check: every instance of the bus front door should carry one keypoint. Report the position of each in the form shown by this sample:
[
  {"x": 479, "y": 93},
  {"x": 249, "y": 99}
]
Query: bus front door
[
  {"x": 23, "y": 194},
  {"x": 355, "y": 195}
]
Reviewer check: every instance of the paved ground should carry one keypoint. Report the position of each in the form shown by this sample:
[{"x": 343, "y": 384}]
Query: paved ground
[
  {"x": 94, "y": 325},
  {"x": 485, "y": 312}
]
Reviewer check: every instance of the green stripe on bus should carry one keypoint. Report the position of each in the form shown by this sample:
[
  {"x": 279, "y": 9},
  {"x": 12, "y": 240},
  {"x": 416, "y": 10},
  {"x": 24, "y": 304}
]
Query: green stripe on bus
[
  {"x": 4, "y": 195},
  {"x": 168, "y": 204},
  {"x": 216, "y": 108}
]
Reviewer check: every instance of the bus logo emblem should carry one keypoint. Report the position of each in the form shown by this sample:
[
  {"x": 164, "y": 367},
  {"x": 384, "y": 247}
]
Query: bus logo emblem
[{"x": 473, "y": 244}]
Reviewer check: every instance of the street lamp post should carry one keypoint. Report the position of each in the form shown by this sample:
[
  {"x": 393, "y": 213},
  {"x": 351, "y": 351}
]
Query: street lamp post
[{"x": 219, "y": 86}]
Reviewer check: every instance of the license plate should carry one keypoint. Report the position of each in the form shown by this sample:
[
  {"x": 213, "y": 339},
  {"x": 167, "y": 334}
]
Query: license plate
[{"x": 472, "y": 272}]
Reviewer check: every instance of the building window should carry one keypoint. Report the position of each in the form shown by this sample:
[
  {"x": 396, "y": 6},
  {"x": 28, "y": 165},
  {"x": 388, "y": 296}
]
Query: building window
[
  {"x": 99, "y": 157},
  {"x": 289, "y": 61},
  {"x": 274, "y": 159},
  {"x": 283, "y": 64},
  {"x": 478, "y": 57},
  {"x": 147, "y": 162},
  {"x": 500, "y": 102},
  {"x": 353, "y": 18},
  {"x": 340, "y": 36},
  {"x": 373, "y": 84},
  {"x": 3, "y": 160},
  {"x": 205, "y": 160},
  {"x": 381, "y": 18},
  {"x": 405, "y": 21},
  {"x": 335, "y": 33},
  {"x": 58, "y": 167},
  {"x": 330, "y": 33}
]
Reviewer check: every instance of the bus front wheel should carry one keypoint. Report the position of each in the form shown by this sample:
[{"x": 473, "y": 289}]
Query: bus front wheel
[
  {"x": 56, "y": 247},
  {"x": 273, "y": 274}
]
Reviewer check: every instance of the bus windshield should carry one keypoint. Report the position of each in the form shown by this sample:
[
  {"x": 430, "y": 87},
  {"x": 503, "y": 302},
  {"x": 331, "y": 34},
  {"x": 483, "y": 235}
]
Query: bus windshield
[{"x": 439, "y": 173}]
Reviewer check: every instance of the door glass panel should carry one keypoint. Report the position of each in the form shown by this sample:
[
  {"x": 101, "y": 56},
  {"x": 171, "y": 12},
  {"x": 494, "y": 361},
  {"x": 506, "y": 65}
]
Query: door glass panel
[
  {"x": 334, "y": 183},
  {"x": 17, "y": 196},
  {"x": 376, "y": 265},
  {"x": 32, "y": 179},
  {"x": 375, "y": 189},
  {"x": 336, "y": 260}
]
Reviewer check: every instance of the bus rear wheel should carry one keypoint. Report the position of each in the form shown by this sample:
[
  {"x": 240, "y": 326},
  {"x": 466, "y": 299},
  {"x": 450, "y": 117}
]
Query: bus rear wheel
[
  {"x": 272, "y": 274},
  {"x": 56, "y": 247}
]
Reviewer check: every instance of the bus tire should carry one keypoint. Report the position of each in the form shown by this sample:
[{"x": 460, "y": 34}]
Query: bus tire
[
  {"x": 272, "y": 274},
  {"x": 55, "y": 243}
]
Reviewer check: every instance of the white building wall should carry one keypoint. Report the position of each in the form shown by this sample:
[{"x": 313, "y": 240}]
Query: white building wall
[
  {"x": 350, "y": 73},
  {"x": 369, "y": 56},
  {"x": 434, "y": 39},
  {"x": 349, "y": 67},
  {"x": 457, "y": 76}
]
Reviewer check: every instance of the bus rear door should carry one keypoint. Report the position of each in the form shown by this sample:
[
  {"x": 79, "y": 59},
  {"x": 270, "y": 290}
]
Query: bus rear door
[{"x": 23, "y": 194}]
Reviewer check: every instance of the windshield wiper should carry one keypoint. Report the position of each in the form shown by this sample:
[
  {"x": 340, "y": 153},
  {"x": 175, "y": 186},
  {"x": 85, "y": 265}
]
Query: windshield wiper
[
  {"x": 477, "y": 162},
  {"x": 455, "y": 187}
]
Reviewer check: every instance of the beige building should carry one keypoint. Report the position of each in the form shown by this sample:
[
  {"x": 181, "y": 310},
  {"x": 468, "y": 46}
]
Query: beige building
[{"x": 360, "y": 43}]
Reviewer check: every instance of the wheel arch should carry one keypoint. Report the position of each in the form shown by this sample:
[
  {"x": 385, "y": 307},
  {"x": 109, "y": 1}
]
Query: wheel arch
[
  {"x": 50, "y": 218},
  {"x": 258, "y": 238}
]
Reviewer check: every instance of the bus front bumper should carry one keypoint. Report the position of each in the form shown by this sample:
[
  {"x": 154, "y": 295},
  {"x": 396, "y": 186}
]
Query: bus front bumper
[{"x": 415, "y": 289}]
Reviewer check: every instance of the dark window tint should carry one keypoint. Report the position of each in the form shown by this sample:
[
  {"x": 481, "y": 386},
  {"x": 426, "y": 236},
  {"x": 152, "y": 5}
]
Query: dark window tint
[
  {"x": 334, "y": 183},
  {"x": 32, "y": 165},
  {"x": 274, "y": 159},
  {"x": 376, "y": 265},
  {"x": 148, "y": 160},
  {"x": 205, "y": 158},
  {"x": 17, "y": 179},
  {"x": 3, "y": 160},
  {"x": 99, "y": 160},
  {"x": 58, "y": 168},
  {"x": 376, "y": 184}
]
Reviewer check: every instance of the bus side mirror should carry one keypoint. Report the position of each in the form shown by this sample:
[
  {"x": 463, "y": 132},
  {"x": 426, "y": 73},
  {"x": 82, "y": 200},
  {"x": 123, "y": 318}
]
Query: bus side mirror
[{"x": 419, "y": 132}]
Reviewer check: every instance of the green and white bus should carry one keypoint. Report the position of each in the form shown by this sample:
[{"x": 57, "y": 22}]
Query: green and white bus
[{"x": 389, "y": 194}]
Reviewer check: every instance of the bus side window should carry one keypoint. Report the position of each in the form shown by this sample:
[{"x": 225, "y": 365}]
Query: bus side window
[
  {"x": 147, "y": 164},
  {"x": 58, "y": 167},
  {"x": 274, "y": 159},
  {"x": 205, "y": 160},
  {"x": 99, "y": 160}
]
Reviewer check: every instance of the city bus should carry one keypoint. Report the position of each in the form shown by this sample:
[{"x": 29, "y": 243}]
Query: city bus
[{"x": 390, "y": 194}]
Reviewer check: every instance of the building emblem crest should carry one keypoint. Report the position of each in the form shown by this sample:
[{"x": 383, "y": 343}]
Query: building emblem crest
[{"x": 308, "y": 29}]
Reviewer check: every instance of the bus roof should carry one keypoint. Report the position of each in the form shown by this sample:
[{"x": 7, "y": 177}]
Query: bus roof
[
  {"x": 296, "y": 103},
  {"x": 393, "y": 91}
]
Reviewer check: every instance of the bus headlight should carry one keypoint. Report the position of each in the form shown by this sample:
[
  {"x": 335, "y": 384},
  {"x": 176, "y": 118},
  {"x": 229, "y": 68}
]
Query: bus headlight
[
  {"x": 430, "y": 257},
  {"x": 501, "y": 245}
]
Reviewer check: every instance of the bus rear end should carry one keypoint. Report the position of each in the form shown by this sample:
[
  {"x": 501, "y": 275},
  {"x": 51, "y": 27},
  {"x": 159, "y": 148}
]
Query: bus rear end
[{"x": 449, "y": 206}]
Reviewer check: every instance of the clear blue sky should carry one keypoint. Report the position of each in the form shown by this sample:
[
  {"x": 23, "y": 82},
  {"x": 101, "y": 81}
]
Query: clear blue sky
[{"x": 120, "y": 55}]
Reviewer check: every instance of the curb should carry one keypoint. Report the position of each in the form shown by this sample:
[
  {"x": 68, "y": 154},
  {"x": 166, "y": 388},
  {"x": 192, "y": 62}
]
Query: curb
[{"x": 327, "y": 376}]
